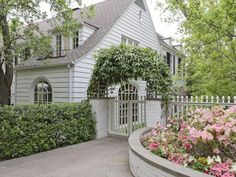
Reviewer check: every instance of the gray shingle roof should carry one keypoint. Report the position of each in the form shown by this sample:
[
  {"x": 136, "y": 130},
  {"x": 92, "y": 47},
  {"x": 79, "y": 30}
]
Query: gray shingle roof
[
  {"x": 171, "y": 47},
  {"x": 107, "y": 13}
]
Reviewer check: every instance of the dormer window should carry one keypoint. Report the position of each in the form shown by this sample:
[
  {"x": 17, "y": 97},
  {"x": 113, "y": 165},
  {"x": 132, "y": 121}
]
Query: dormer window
[
  {"x": 26, "y": 53},
  {"x": 128, "y": 41},
  {"x": 76, "y": 40},
  {"x": 58, "y": 45}
]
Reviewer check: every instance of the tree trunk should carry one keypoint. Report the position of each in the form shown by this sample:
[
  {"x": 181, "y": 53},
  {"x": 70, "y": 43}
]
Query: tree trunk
[
  {"x": 5, "y": 91},
  {"x": 7, "y": 76}
]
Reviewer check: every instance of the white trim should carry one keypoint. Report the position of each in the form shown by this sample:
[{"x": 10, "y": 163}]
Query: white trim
[
  {"x": 70, "y": 83},
  {"x": 35, "y": 81}
]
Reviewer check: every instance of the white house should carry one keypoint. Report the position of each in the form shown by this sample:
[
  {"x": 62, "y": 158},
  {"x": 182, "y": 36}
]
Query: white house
[
  {"x": 171, "y": 53},
  {"x": 65, "y": 76}
]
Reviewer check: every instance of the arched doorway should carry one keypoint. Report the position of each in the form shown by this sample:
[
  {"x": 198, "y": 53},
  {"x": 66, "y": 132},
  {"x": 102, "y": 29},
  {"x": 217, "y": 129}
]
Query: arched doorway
[{"x": 127, "y": 110}]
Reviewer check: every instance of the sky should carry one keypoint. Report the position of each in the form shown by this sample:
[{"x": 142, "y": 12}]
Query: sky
[{"x": 165, "y": 29}]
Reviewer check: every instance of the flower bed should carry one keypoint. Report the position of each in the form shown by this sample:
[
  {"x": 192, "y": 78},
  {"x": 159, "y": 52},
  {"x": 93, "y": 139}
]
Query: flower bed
[{"x": 204, "y": 140}]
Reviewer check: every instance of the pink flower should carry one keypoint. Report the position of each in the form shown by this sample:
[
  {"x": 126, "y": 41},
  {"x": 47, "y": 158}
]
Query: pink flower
[
  {"x": 220, "y": 169},
  {"x": 176, "y": 158},
  {"x": 218, "y": 112},
  {"x": 206, "y": 136},
  {"x": 154, "y": 132},
  {"x": 216, "y": 151},
  {"x": 232, "y": 109},
  {"x": 218, "y": 128},
  {"x": 227, "y": 174},
  {"x": 224, "y": 139},
  {"x": 187, "y": 146},
  {"x": 153, "y": 146}
]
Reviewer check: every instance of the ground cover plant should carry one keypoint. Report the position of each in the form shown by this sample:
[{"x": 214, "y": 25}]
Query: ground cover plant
[
  {"x": 204, "y": 140},
  {"x": 28, "y": 129}
]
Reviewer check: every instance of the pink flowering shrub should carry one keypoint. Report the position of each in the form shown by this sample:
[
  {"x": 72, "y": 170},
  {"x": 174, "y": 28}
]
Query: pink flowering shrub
[{"x": 204, "y": 139}]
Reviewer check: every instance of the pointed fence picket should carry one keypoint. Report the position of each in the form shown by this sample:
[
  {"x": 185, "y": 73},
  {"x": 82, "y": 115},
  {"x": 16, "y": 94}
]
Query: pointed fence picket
[{"x": 179, "y": 105}]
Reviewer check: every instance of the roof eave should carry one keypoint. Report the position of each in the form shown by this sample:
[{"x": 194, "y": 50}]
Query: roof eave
[{"x": 18, "y": 68}]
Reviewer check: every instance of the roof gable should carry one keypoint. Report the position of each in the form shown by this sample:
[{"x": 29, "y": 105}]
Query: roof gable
[{"x": 107, "y": 13}]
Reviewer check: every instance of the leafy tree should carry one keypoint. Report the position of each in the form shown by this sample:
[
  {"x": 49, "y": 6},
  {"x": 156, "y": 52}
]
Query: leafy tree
[
  {"x": 209, "y": 30},
  {"x": 119, "y": 64},
  {"x": 19, "y": 22}
]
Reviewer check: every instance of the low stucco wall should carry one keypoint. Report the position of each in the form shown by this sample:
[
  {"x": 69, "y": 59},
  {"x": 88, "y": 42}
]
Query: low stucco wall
[
  {"x": 100, "y": 110},
  {"x": 145, "y": 164}
]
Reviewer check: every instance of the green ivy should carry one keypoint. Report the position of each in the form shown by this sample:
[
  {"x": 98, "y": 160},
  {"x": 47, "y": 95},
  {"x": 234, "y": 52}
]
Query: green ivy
[
  {"x": 119, "y": 64},
  {"x": 28, "y": 129}
]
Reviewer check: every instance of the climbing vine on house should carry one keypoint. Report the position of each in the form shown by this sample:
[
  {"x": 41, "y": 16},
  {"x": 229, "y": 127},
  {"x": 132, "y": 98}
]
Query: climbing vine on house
[{"x": 119, "y": 64}]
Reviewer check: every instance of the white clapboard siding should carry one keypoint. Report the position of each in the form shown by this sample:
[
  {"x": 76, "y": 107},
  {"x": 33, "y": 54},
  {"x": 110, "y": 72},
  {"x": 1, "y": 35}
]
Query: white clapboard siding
[
  {"x": 129, "y": 25},
  {"x": 86, "y": 32},
  {"x": 57, "y": 76}
]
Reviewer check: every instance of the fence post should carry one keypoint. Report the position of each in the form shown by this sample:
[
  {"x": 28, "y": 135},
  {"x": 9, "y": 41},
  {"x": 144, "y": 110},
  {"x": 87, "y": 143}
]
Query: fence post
[
  {"x": 234, "y": 99},
  {"x": 110, "y": 115},
  {"x": 130, "y": 121}
]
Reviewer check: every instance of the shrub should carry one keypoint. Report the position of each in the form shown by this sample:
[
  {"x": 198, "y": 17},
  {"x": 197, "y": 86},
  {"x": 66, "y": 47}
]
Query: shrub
[
  {"x": 28, "y": 129},
  {"x": 205, "y": 140}
]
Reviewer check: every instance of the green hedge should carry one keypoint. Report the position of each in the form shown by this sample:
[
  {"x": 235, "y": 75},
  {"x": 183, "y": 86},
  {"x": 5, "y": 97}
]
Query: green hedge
[{"x": 29, "y": 129}]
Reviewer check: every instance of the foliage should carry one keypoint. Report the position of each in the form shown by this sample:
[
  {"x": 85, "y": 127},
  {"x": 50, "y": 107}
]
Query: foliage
[
  {"x": 204, "y": 140},
  {"x": 119, "y": 64},
  {"x": 20, "y": 24},
  {"x": 209, "y": 42},
  {"x": 28, "y": 129}
]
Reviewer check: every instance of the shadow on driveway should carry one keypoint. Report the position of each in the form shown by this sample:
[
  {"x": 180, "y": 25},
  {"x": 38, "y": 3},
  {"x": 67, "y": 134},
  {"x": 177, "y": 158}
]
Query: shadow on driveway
[{"x": 106, "y": 157}]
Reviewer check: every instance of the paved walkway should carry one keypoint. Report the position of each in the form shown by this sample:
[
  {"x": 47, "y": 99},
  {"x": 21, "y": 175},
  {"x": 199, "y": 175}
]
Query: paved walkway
[{"x": 106, "y": 157}]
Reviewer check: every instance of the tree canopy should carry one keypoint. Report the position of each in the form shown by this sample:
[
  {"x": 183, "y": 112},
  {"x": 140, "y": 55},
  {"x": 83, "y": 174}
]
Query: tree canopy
[
  {"x": 208, "y": 27},
  {"x": 119, "y": 64},
  {"x": 20, "y": 21}
]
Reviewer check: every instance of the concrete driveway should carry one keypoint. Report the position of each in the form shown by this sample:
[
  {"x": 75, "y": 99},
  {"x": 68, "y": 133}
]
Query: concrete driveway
[{"x": 106, "y": 157}]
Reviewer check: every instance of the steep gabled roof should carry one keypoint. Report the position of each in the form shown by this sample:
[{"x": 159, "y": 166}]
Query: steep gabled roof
[
  {"x": 107, "y": 13},
  {"x": 162, "y": 42}
]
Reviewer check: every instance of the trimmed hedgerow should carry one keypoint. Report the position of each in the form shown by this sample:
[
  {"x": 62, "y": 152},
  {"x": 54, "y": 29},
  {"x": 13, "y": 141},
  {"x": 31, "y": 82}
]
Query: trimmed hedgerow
[{"x": 28, "y": 129}]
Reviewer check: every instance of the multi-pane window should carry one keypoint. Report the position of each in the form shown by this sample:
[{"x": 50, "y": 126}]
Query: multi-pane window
[
  {"x": 179, "y": 61},
  {"x": 42, "y": 93},
  {"x": 26, "y": 53},
  {"x": 58, "y": 45},
  {"x": 173, "y": 65},
  {"x": 168, "y": 59},
  {"x": 129, "y": 41},
  {"x": 76, "y": 40}
]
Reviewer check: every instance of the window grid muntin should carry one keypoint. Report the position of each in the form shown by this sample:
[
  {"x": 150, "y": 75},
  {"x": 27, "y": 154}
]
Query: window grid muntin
[
  {"x": 129, "y": 41},
  {"x": 58, "y": 44},
  {"x": 42, "y": 93},
  {"x": 76, "y": 40},
  {"x": 128, "y": 92}
]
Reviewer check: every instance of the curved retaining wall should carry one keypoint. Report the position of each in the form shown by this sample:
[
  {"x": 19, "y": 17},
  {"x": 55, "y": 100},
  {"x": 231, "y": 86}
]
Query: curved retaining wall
[{"x": 145, "y": 164}]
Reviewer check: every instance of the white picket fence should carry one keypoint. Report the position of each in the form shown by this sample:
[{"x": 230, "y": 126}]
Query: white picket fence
[{"x": 182, "y": 104}]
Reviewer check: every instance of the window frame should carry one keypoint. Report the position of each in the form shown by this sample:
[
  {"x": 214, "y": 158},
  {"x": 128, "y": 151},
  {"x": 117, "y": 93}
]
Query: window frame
[
  {"x": 128, "y": 41},
  {"x": 58, "y": 45},
  {"x": 43, "y": 92},
  {"x": 75, "y": 40}
]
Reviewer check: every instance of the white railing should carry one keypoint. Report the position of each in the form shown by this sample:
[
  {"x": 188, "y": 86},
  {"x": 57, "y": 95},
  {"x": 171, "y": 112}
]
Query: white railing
[{"x": 182, "y": 104}]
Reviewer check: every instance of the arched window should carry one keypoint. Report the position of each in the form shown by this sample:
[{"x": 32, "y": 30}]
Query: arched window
[{"x": 42, "y": 93}]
